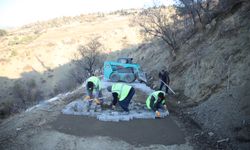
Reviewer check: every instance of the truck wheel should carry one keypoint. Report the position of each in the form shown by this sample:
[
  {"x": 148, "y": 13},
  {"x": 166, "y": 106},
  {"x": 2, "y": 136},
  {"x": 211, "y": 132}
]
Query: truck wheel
[
  {"x": 114, "y": 77},
  {"x": 129, "y": 78}
]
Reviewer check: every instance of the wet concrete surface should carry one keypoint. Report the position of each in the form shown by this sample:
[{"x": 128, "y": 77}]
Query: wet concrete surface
[{"x": 139, "y": 132}]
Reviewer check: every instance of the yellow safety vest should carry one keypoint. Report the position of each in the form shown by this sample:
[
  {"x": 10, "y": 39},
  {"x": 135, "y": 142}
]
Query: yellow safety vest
[
  {"x": 121, "y": 89},
  {"x": 96, "y": 82},
  {"x": 155, "y": 94}
]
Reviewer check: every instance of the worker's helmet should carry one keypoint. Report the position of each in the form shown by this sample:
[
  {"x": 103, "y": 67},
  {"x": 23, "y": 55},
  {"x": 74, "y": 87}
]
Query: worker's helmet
[
  {"x": 109, "y": 88},
  {"x": 90, "y": 85},
  {"x": 161, "y": 96}
]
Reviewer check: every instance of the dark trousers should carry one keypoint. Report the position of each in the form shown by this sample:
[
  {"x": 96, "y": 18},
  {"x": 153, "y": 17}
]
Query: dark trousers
[
  {"x": 162, "y": 85},
  {"x": 124, "y": 104}
]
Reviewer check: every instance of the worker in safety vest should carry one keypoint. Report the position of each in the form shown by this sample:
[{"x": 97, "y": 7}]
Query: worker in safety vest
[
  {"x": 122, "y": 93},
  {"x": 156, "y": 101},
  {"x": 93, "y": 89}
]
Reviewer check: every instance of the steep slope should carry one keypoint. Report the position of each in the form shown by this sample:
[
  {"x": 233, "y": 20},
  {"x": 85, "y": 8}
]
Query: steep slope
[
  {"x": 211, "y": 71},
  {"x": 43, "y": 53}
]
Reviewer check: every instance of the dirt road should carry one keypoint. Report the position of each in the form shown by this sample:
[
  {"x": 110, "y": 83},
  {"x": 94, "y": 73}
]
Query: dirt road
[
  {"x": 136, "y": 132},
  {"x": 47, "y": 128}
]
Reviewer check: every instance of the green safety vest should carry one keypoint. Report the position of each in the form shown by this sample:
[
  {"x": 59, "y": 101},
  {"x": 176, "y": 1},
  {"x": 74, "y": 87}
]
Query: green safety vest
[
  {"x": 155, "y": 94},
  {"x": 121, "y": 89},
  {"x": 96, "y": 82}
]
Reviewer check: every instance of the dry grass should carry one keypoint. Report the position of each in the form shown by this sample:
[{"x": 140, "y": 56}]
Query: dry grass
[{"x": 44, "y": 51}]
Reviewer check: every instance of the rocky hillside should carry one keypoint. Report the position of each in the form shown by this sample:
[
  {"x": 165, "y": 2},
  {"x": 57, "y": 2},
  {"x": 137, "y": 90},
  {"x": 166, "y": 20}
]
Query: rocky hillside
[{"x": 210, "y": 73}]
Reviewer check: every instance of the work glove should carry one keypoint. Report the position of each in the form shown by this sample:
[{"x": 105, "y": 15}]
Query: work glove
[
  {"x": 157, "y": 114},
  {"x": 97, "y": 101},
  {"x": 87, "y": 98}
]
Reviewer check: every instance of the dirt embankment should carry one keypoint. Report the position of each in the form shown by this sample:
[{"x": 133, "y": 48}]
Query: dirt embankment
[{"x": 210, "y": 74}]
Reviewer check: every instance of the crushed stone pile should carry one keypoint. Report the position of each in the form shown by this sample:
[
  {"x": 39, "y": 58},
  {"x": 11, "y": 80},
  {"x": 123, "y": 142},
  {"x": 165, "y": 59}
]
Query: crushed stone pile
[{"x": 86, "y": 108}]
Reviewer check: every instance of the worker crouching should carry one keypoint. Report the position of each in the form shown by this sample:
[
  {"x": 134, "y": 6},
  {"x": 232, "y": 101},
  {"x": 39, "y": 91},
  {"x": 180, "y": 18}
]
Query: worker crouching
[
  {"x": 93, "y": 89},
  {"x": 156, "y": 101},
  {"x": 122, "y": 93}
]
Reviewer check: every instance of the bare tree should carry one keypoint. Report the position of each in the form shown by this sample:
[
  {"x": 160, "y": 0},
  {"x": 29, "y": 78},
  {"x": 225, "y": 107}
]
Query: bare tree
[
  {"x": 175, "y": 24},
  {"x": 196, "y": 10},
  {"x": 87, "y": 60},
  {"x": 158, "y": 22}
]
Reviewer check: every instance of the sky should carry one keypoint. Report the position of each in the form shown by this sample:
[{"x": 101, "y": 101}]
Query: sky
[{"x": 15, "y": 13}]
